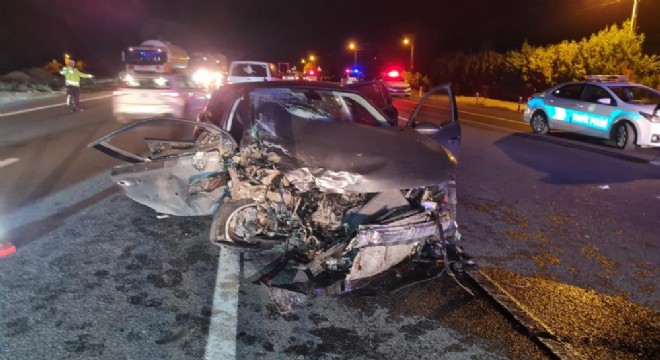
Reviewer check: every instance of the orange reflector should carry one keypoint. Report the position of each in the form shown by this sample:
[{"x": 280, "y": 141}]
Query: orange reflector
[{"x": 7, "y": 248}]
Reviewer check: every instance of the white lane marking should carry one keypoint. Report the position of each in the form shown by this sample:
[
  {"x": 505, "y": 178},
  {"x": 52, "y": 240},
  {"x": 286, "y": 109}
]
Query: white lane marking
[
  {"x": 50, "y": 106},
  {"x": 8, "y": 162},
  {"x": 221, "y": 342},
  {"x": 471, "y": 113}
]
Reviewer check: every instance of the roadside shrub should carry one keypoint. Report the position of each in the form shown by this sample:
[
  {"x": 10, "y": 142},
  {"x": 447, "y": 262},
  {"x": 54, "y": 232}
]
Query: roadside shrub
[
  {"x": 6, "y": 86},
  {"x": 416, "y": 80},
  {"x": 42, "y": 88},
  {"x": 23, "y": 87},
  {"x": 16, "y": 76},
  {"x": 39, "y": 75}
]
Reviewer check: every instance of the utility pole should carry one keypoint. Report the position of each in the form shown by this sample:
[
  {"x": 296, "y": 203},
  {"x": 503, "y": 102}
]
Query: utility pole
[{"x": 634, "y": 15}]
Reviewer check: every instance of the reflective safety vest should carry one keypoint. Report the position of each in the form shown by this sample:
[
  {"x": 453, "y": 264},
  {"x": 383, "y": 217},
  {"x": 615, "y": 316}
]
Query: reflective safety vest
[{"x": 72, "y": 76}]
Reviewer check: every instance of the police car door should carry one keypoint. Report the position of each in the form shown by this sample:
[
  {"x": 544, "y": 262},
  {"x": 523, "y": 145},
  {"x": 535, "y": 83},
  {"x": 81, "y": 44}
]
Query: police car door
[
  {"x": 594, "y": 112},
  {"x": 561, "y": 104}
]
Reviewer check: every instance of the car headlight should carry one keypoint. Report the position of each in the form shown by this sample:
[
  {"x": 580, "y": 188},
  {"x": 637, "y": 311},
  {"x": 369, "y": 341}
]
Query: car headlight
[
  {"x": 202, "y": 76},
  {"x": 654, "y": 118}
]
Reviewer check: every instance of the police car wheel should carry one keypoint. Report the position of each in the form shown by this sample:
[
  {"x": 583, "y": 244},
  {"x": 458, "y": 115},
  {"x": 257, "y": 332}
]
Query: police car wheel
[
  {"x": 624, "y": 136},
  {"x": 539, "y": 123}
]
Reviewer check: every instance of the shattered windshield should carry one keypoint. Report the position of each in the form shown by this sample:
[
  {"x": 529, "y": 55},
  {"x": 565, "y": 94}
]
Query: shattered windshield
[{"x": 321, "y": 105}]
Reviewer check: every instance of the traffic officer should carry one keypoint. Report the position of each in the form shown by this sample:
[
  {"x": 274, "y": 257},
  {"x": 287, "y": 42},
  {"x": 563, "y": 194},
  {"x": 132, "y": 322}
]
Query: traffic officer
[{"x": 72, "y": 78}]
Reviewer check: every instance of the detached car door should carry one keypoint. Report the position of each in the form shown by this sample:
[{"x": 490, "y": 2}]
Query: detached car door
[
  {"x": 173, "y": 166},
  {"x": 436, "y": 116}
]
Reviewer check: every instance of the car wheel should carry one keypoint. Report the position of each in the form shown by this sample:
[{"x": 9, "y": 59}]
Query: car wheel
[
  {"x": 224, "y": 221},
  {"x": 624, "y": 136},
  {"x": 539, "y": 123}
]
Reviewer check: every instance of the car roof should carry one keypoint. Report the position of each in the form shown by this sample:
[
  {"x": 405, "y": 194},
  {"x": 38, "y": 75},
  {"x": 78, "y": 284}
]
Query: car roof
[
  {"x": 251, "y": 62},
  {"x": 320, "y": 85},
  {"x": 602, "y": 83}
]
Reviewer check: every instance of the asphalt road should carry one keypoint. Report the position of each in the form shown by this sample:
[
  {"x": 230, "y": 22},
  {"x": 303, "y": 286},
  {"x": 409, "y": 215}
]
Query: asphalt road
[{"x": 99, "y": 276}]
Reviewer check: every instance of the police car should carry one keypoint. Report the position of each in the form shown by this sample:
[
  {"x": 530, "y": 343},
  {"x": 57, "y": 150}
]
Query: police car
[{"x": 607, "y": 107}]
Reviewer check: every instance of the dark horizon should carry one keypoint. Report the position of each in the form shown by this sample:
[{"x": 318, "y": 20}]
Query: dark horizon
[{"x": 36, "y": 31}]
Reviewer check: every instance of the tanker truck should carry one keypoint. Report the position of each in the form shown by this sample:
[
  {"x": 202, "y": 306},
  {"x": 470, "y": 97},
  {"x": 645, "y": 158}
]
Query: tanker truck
[{"x": 155, "y": 56}]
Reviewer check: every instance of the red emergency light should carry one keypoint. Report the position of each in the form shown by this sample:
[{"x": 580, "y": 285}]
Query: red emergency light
[{"x": 393, "y": 73}]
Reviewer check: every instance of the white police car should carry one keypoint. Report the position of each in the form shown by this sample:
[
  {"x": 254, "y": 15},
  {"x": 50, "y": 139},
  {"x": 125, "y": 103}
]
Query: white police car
[{"x": 607, "y": 107}]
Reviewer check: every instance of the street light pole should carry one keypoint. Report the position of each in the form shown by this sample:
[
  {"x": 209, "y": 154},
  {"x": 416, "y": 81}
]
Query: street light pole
[
  {"x": 353, "y": 47},
  {"x": 411, "y": 42},
  {"x": 634, "y": 16}
]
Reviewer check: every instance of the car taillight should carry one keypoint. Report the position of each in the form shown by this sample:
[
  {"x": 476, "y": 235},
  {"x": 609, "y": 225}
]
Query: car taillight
[
  {"x": 170, "y": 94},
  {"x": 311, "y": 72},
  {"x": 393, "y": 73}
]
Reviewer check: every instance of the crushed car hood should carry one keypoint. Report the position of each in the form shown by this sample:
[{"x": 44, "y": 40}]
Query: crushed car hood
[{"x": 343, "y": 157}]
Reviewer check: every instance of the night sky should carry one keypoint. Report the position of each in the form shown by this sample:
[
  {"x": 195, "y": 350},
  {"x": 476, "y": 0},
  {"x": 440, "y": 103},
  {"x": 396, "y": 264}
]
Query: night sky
[{"x": 34, "y": 31}]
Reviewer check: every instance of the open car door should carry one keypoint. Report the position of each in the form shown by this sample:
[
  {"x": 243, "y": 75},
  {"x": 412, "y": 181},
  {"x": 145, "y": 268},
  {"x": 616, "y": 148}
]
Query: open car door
[
  {"x": 175, "y": 166},
  {"x": 376, "y": 92},
  {"x": 436, "y": 116}
]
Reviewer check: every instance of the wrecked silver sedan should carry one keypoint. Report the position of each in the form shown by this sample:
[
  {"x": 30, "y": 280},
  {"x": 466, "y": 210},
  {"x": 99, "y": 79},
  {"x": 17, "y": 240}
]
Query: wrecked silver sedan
[{"x": 312, "y": 174}]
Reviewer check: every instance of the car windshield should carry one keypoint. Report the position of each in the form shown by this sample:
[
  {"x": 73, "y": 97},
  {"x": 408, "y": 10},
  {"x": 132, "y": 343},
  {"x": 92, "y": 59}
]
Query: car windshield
[
  {"x": 321, "y": 105},
  {"x": 249, "y": 69},
  {"x": 145, "y": 57},
  {"x": 636, "y": 94}
]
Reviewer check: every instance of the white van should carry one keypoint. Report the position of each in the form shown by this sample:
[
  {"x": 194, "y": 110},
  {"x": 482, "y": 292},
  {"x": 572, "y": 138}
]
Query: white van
[{"x": 246, "y": 71}]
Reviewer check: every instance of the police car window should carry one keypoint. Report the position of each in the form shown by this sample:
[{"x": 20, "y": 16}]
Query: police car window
[
  {"x": 636, "y": 94},
  {"x": 570, "y": 91},
  {"x": 593, "y": 93}
]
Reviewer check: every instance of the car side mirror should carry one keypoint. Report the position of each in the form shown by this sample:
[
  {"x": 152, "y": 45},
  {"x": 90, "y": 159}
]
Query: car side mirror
[
  {"x": 606, "y": 101},
  {"x": 427, "y": 129}
]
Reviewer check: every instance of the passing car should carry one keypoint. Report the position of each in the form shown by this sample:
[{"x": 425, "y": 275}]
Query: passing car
[
  {"x": 352, "y": 76},
  {"x": 250, "y": 71},
  {"x": 310, "y": 175},
  {"x": 396, "y": 84},
  {"x": 311, "y": 75},
  {"x": 604, "y": 107},
  {"x": 142, "y": 96}
]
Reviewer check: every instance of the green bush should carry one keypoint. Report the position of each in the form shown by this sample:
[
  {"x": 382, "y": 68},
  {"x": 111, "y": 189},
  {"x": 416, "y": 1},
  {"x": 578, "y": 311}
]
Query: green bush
[
  {"x": 41, "y": 88},
  {"x": 416, "y": 80}
]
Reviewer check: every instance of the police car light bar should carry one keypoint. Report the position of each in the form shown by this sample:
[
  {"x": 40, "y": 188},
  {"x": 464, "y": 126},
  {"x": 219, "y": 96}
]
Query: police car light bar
[{"x": 605, "y": 78}]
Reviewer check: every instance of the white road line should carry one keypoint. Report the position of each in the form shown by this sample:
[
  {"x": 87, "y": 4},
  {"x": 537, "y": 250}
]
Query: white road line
[
  {"x": 221, "y": 342},
  {"x": 50, "y": 106},
  {"x": 8, "y": 162},
  {"x": 471, "y": 113}
]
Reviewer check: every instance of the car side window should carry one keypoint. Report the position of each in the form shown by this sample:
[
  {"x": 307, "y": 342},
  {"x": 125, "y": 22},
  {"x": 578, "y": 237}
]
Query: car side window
[
  {"x": 593, "y": 93},
  {"x": 569, "y": 91}
]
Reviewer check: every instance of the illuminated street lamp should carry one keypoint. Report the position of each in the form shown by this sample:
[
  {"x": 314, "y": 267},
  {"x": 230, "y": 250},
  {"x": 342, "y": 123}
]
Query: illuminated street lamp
[
  {"x": 352, "y": 46},
  {"x": 410, "y": 42},
  {"x": 312, "y": 58},
  {"x": 302, "y": 61}
]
